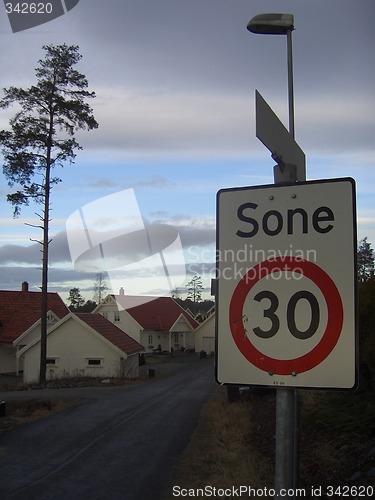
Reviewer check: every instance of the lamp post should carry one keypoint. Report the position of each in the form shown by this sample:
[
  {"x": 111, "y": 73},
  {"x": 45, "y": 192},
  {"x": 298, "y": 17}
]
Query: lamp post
[
  {"x": 278, "y": 24},
  {"x": 286, "y": 453}
]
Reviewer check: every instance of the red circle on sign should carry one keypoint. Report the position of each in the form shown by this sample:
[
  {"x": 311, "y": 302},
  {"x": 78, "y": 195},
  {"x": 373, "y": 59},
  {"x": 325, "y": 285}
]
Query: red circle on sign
[{"x": 331, "y": 333}]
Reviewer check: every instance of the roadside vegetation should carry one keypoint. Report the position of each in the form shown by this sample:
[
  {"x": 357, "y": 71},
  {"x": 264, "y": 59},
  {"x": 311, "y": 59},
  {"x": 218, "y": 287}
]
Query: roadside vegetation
[
  {"x": 22, "y": 412},
  {"x": 234, "y": 444},
  {"x": 222, "y": 452}
]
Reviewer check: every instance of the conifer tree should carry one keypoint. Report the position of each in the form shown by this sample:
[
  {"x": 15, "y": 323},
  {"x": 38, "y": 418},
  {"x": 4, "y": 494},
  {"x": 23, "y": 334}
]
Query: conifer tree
[
  {"x": 365, "y": 261},
  {"x": 42, "y": 137}
]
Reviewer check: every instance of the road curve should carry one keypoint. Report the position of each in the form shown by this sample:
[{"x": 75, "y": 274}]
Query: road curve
[{"x": 123, "y": 444}]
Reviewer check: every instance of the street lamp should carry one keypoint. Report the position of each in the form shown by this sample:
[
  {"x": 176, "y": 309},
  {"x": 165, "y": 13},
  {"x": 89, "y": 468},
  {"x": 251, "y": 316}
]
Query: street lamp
[
  {"x": 278, "y": 24},
  {"x": 286, "y": 470}
]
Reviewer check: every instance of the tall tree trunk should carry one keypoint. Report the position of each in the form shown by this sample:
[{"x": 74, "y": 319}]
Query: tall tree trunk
[
  {"x": 45, "y": 245},
  {"x": 44, "y": 308}
]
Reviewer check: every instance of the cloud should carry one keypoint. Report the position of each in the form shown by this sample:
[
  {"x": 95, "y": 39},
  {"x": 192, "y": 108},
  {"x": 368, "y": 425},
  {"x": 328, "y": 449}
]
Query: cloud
[
  {"x": 324, "y": 123},
  {"x": 188, "y": 122},
  {"x": 194, "y": 231},
  {"x": 59, "y": 279},
  {"x": 172, "y": 121},
  {"x": 196, "y": 237},
  {"x": 102, "y": 183},
  {"x": 154, "y": 182},
  {"x": 31, "y": 254},
  {"x": 20, "y": 263}
]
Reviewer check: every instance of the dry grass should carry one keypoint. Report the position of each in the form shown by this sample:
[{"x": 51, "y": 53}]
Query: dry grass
[
  {"x": 72, "y": 381},
  {"x": 234, "y": 444},
  {"x": 222, "y": 452},
  {"x": 337, "y": 431},
  {"x": 22, "y": 412}
]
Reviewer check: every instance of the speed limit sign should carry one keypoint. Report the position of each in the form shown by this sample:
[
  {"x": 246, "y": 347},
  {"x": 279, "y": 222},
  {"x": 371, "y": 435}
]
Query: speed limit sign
[{"x": 286, "y": 285}]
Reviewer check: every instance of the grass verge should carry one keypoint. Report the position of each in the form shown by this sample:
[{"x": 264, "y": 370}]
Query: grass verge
[
  {"x": 222, "y": 452},
  {"x": 234, "y": 444},
  {"x": 22, "y": 412}
]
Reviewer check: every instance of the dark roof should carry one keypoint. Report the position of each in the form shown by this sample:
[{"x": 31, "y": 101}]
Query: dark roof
[
  {"x": 20, "y": 310},
  {"x": 160, "y": 314},
  {"x": 109, "y": 331}
]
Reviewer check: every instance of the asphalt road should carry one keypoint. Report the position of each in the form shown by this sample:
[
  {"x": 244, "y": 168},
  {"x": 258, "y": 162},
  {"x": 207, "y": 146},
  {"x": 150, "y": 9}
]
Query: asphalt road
[{"x": 122, "y": 443}]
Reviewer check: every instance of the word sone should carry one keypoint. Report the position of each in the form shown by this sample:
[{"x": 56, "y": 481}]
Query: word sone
[{"x": 273, "y": 222}]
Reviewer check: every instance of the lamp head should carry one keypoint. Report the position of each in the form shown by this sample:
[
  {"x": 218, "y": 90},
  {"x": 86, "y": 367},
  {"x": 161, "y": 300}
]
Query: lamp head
[{"x": 271, "y": 24}]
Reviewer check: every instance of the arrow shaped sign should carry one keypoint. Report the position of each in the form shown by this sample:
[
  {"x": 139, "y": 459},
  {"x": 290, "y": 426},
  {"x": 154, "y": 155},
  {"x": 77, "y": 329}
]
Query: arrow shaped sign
[{"x": 272, "y": 133}]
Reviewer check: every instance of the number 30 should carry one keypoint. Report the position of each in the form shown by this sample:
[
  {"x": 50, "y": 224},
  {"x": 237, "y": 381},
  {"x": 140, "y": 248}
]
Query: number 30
[{"x": 270, "y": 313}]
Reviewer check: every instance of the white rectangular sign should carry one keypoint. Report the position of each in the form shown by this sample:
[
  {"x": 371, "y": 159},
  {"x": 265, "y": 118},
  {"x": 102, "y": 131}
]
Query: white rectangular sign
[{"x": 286, "y": 285}]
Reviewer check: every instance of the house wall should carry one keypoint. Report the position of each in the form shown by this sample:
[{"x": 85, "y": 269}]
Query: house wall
[
  {"x": 73, "y": 345},
  {"x": 182, "y": 339},
  {"x": 32, "y": 335},
  {"x": 185, "y": 334},
  {"x": 121, "y": 319},
  {"x": 7, "y": 359},
  {"x": 34, "y": 332},
  {"x": 178, "y": 340},
  {"x": 205, "y": 336},
  {"x": 130, "y": 366},
  {"x": 151, "y": 339},
  {"x": 189, "y": 340},
  {"x": 126, "y": 324}
]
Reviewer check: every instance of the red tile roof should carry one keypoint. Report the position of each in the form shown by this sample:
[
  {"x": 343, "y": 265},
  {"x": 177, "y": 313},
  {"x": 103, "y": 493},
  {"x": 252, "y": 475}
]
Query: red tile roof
[
  {"x": 109, "y": 331},
  {"x": 20, "y": 310},
  {"x": 159, "y": 314}
]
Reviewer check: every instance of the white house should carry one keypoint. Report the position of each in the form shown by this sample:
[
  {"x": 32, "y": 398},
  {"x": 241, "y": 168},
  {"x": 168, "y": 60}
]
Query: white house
[
  {"x": 83, "y": 344},
  {"x": 20, "y": 312},
  {"x": 110, "y": 309},
  {"x": 205, "y": 334},
  {"x": 158, "y": 323},
  {"x": 31, "y": 334}
]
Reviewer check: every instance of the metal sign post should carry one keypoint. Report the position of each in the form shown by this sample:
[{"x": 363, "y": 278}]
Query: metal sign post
[{"x": 287, "y": 412}]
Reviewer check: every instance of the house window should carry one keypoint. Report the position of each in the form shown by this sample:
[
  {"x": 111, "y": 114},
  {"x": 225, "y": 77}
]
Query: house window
[
  {"x": 117, "y": 316},
  {"x": 51, "y": 361},
  {"x": 105, "y": 315},
  {"x": 94, "y": 361},
  {"x": 150, "y": 341},
  {"x": 176, "y": 338}
]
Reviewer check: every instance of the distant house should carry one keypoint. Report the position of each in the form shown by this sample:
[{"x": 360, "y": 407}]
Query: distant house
[
  {"x": 20, "y": 312},
  {"x": 158, "y": 323},
  {"x": 205, "y": 334},
  {"x": 31, "y": 334},
  {"x": 83, "y": 344}
]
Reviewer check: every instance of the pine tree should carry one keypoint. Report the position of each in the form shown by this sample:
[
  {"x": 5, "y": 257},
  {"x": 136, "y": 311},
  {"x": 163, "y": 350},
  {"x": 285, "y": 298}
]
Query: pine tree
[
  {"x": 41, "y": 137},
  {"x": 75, "y": 298},
  {"x": 365, "y": 261},
  {"x": 195, "y": 289},
  {"x": 100, "y": 287}
]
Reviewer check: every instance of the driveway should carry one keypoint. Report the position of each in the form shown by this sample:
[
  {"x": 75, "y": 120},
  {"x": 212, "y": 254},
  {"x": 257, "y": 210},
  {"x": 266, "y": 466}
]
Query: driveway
[{"x": 122, "y": 443}]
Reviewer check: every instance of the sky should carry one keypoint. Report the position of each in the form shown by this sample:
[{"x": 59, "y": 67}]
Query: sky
[{"x": 175, "y": 83}]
